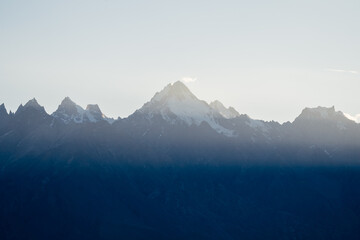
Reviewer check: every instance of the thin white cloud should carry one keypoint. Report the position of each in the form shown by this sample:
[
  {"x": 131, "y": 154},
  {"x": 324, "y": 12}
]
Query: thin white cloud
[
  {"x": 188, "y": 79},
  {"x": 355, "y": 118},
  {"x": 342, "y": 71}
]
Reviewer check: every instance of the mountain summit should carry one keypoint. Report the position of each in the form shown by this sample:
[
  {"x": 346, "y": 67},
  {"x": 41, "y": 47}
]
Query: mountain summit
[
  {"x": 32, "y": 106},
  {"x": 177, "y": 104},
  {"x": 322, "y": 121},
  {"x": 68, "y": 111},
  {"x": 94, "y": 114},
  {"x": 322, "y": 114},
  {"x": 3, "y": 114},
  {"x": 3, "y": 110},
  {"x": 33, "y": 103}
]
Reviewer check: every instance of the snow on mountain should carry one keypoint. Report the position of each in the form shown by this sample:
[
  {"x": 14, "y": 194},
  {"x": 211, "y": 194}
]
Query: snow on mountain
[
  {"x": 223, "y": 111},
  {"x": 355, "y": 118},
  {"x": 176, "y": 103},
  {"x": 231, "y": 113},
  {"x": 68, "y": 111},
  {"x": 94, "y": 114}
]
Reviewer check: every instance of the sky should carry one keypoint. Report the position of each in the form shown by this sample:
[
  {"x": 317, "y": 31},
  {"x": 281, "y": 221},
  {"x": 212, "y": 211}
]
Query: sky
[{"x": 268, "y": 59}]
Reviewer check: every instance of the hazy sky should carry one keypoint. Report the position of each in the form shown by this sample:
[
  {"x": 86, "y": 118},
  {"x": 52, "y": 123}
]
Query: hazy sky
[{"x": 268, "y": 59}]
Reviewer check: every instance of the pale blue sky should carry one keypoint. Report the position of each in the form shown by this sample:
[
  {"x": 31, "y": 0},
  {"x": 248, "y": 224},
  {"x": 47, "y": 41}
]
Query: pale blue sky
[{"x": 268, "y": 59}]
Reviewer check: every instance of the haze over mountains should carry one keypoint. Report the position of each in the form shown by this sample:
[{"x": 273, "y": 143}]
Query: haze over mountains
[
  {"x": 177, "y": 168},
  {"x": 177, "y": 106},
  {"x": 174, "y": 103},
  {"x": 176, "y": 115}
]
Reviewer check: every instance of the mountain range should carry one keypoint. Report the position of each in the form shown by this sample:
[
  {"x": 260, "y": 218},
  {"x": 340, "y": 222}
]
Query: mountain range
[
  {"x": 177, "y": 168},
  {"x": 175, "y": 111}
]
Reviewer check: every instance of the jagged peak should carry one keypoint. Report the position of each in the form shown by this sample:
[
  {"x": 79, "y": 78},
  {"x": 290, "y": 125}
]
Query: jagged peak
[
  {"x": 3, "y": 110},
  {"x": 19, "y": 108},
  {"x": 94, "y": 114},
  {"x": 68, "y": 111},
  {"x": 67, "y": 101},
  {"x": 176, "y": 90},
  {"x": 175, "y": 103},
  {"x": 32, "y": 103},
  {"x": 321, "y": 113},
  {"x": 174, "y": 97},
  {"x": 94, "y": 108},
  {"x": 69, "y": 106},
  {"x": 229, "y": 112}
]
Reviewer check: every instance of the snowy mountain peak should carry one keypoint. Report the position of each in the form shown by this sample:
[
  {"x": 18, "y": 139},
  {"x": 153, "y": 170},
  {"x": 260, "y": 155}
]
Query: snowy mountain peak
[
  {"x": 174, "y": 97},
  {"x": 94, "y": 114},
  {"x": 176, "y": 90},
  {"x": 68, "y": 111},
  {"x": 176, "y": 103},
  {"x": 223, "y": 111}
]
